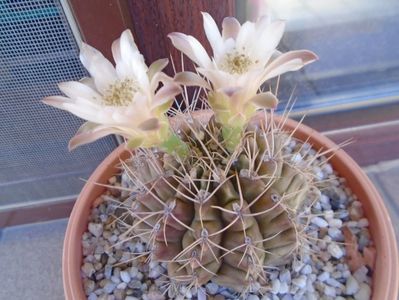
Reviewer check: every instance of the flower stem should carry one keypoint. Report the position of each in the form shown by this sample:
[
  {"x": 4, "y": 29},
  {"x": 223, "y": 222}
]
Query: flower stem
[
  {"x": 175, "y": 146},
  {"x": 231, "y": 136}
]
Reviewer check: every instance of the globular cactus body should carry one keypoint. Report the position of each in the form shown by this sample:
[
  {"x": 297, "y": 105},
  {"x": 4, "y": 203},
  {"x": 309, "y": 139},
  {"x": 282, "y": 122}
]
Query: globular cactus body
[{"x": 221, "y": 216}]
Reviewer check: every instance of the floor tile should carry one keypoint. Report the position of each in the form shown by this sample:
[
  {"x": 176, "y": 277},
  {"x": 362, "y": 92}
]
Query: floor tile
[{"x": 30, "y": 261}]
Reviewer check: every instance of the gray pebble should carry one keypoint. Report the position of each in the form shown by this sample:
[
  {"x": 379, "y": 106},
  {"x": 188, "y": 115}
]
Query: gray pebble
[
  {"x": 328, "y": 214},
  {"x": 335, "y": 223},
  {"x": 109, "y": 287},
  {"x": 334, "y": 283},
  {"x": 96, "y": 229},
  {"x": 276, "y": 286},
  {"x": 320, "y": 222},
  {"x": 352, "y": 286},
  {"x": 323, "y": 276},
  {"x": 307, "y": 269},
  {"x": 88, "y": 269},
  {"x": 283, "y": 287},
  {"x": 122, "y": 286},
  {"x": 335, "y": 251},
  {"x": 92, "y": 296},
  {"x": 156, "y": 271},
  {"x": 134, "y": 271},
  {"x": 119, "y": 294},
  {"x": 115, "y": 279},
  {"x": 361, "y": 274},
  {"x": 324, "y": 199},
  {"x": 335, "y": 234},
  {"x": 108, "y": 271},
  {"x": 297, "y": 265},
  {"x": 346, "y": 274},
  {"x": 311, "y": 296},
  {"x": 364, "y": 292},
  {"x": 337, "y": 274},
  {"x": 300, "y": 281},
  {"x": 89, "y": 286},
  {"x": 329, "y": 291},
  {"x": 212, "y": 288},
  {"x": 125, "y": 276},
  {"x": 285, "y": 276}
]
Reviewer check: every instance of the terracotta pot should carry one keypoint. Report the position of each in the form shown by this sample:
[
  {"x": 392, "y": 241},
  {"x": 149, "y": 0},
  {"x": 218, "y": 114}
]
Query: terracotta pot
[{"x": 386, "y": 271}]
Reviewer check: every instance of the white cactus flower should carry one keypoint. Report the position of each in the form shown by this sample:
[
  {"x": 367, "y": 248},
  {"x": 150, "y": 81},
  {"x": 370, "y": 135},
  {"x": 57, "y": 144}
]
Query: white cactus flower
[
  {"x": 125, "y": 99},
  {"x": 244, "y": 57}
]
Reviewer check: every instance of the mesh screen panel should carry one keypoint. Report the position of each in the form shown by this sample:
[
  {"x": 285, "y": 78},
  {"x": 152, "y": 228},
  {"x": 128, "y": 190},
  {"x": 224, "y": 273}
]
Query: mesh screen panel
[{"x": 38, "y": 50}]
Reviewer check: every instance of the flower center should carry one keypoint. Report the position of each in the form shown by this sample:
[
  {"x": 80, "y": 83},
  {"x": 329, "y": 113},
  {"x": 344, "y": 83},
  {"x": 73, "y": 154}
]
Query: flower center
[
  {"x": 236, "y": 63},
  {"x": 120, "y": 93}
]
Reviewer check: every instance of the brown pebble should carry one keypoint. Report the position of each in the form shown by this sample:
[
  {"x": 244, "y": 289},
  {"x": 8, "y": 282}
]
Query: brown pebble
[
  {"x": 354, "y": 258},
  {"x": 355, "y": 213},
  {"x": 369, "y": 254},
  {"x": 112, "y": 180},
  {"x": 98, "y": 202}
]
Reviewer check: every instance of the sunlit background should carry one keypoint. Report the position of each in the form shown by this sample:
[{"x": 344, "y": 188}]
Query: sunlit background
[{"x": 357, "y": 42}]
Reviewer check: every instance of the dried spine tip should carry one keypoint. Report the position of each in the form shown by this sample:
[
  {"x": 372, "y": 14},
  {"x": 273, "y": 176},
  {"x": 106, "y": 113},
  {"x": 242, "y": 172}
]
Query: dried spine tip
[{"x": 223, "y": 216}]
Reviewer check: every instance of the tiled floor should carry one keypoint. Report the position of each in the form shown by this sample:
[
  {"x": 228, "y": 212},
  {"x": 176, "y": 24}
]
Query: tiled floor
[
  {"x": 30, "y": 255},
  {"x": 30, "y": 261},
  {"x": 385, "y": 177}
]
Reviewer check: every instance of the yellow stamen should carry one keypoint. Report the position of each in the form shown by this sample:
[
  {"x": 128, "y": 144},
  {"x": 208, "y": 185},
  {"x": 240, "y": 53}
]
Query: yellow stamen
[
  {"x": 237, "y": 63},
  {"x": 120, "y": 93}
]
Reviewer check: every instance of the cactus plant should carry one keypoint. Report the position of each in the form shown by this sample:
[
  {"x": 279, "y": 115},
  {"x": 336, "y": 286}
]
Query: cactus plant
[
  {"x": 217, "y": 215},
  {"x": 217, "y": 198}
]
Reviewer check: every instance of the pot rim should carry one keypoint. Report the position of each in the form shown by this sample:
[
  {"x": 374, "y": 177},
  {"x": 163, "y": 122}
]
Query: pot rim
[{"x": 386, "y": 271}]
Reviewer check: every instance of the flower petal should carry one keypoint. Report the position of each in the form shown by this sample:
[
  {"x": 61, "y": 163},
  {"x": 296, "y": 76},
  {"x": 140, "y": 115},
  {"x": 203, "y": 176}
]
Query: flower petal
[
  {"x": 289, "y": 61},
  {"x": 156, "y": 67},
  {"x": 190, "y": 47},
  {"x": 90, "y": 136},
  {"x": 89, "y": 82},
  {"x": 99, "y": 67},
  {"x": 87, "y": 127},
  {"x": 86, "y": 113},
  {"x": 75, "y": 89},
  {"x": 116, "y": 51},
  {"x": 191, "y": 79},
  {"x": 57, "y": 101},
  {"x": 230, "y": 28},
  {"x": 265, "y": 100},
  {"x": 212, "y": 32},
  {"x": 166, "y": 93},
  {"x": 219, "y": 79},
  {"x": 132, "y": 64},
  {"x": 269, "y": 37},
  {"x": 127, "y": 46},
  {"x": 159, "y": 77},
  {"x": 149, "y": 125},
  {"x": 246, "y": 36}
]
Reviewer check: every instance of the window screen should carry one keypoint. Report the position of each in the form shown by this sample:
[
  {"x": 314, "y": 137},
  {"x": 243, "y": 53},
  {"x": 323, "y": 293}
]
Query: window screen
[{"x": 38, "y": 50}]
